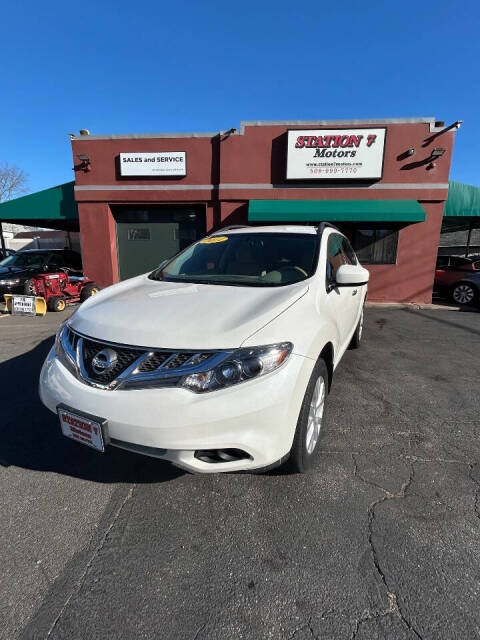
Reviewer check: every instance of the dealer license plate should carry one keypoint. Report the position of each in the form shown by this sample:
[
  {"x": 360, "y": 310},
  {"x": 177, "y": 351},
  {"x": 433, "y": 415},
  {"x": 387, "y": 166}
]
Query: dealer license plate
[
  {"x": 23, "y": 305},
  {"x": 82, "y": 428}
]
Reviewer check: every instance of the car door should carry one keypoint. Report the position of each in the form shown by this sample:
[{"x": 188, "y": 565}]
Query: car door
[
  {"x": 357, "y": 293},
  {"x": 441, "y": 273},
  {"x": 342, "y": 302}
]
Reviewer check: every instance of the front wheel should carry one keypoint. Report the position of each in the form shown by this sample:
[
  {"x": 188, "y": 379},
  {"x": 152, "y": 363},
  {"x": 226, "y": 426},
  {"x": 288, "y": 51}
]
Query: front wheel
[
  {"x": 57, "y": 303},
  {"x": 29, "y": 287},
  {"x": 310, "y": 420},
  {"x": 88, "y": 291},
  {"x": 464, "y": 293}
]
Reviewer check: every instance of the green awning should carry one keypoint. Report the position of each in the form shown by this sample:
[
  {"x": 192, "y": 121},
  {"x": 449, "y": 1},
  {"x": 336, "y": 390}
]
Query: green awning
[
  {"x": 54, "y": 207},
  {"x": 463, "y": 201},
  {"x": 335, "y": 211}
]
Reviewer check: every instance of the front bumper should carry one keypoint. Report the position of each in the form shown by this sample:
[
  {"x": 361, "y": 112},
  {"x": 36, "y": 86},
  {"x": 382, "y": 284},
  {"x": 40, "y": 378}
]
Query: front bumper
[
  {"x": 17, "y": 288},
  {"x": 258, "y": 416}
]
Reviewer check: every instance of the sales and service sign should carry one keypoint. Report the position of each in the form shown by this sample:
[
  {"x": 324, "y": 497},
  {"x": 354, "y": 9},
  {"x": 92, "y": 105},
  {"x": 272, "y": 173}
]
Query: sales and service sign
[
  {"x": 335, "y": 154},
  {"x": 163, "y": 164}
]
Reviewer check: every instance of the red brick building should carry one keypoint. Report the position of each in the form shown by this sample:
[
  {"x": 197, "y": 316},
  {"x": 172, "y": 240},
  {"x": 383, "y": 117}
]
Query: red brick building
[{"x": 142, "y": 197}]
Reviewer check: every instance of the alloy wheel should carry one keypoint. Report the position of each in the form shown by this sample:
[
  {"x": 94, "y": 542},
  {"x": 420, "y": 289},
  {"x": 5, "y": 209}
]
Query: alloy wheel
[
  {"x": 463, "y": 294},
  {"x": 315, "y": 414}
]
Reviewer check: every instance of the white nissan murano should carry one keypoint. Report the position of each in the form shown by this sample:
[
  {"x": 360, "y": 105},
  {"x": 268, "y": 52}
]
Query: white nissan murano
[{"x": 219, "y": 360}]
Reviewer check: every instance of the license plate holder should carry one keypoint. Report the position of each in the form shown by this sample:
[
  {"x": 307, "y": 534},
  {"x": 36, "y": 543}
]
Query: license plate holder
[{"x": 83, "y": 427}]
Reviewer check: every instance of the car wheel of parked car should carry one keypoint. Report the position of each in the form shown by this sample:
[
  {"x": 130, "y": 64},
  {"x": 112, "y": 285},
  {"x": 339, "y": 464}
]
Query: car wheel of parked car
[
  {"x": 464, "y": 293},
  {"x": 310, "y": 421},
  {"x": 88, "y": 290},
  {"x": 56, "y": 304},
  {"x": 29, "y": 287},
  {"x": 357, "y": 336}
]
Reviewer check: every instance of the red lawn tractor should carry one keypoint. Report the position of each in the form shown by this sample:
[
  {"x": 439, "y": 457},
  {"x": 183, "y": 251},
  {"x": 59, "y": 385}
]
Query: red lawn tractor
[{"x": 59, "y": 289}]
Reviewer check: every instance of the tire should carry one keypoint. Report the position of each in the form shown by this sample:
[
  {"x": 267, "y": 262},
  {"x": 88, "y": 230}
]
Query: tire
[
  {"x": 357, "y": 336},
  {"x": 464, "y": 293},
  {"x": 305, "y": 441},
  {"x": 88, "y": 290},
  {"x": 29, "y": 287},
  {"x": 57, "y": 303}
]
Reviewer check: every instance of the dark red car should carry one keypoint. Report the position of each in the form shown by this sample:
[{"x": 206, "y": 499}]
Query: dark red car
[{"x": 459, "y": 278}]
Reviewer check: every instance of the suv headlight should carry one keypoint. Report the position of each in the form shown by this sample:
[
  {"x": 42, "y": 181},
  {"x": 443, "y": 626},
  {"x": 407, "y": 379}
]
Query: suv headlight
[
  {"x": 243, "y": 364},
  {"x": 10, "y": 282}
]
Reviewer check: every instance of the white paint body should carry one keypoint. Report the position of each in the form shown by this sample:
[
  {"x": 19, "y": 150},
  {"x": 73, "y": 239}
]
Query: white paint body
[{"x": 258, "y": 416}]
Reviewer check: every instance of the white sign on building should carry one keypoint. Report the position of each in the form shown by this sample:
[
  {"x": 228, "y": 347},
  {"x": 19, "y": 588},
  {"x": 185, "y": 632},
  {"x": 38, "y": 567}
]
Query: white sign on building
[
  {"x": 161, "y": 164},
  {"x": 335, "y": 154}
]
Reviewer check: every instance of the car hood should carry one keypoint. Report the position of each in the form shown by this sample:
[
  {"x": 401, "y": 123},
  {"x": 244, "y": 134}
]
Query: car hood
[
  {"x": 173, "y": 315},
  {"x": 12, "y": 272}
]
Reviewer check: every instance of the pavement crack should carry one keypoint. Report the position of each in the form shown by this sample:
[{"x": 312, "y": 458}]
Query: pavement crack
[
  {"x": 86, "y": 569},
  {"x": 303, "y": 627},
  {"x": 393, "y": 605}
]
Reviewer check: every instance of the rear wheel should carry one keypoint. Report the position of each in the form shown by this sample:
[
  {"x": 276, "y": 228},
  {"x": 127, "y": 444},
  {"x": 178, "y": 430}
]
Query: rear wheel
[
  {"x": 464, "y": 293},
  {"x": 88, "y": 291},
  {"x": 56, "y": 303},
  {"x": 310, "y": 421}
]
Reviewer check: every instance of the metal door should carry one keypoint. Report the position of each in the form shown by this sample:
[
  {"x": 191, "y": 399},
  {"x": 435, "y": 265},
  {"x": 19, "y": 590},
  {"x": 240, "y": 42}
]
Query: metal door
[{"x": 147, "y": 236}]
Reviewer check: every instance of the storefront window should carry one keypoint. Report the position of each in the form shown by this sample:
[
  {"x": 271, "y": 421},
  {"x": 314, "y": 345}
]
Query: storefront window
[{"x": 376, "y": 246}]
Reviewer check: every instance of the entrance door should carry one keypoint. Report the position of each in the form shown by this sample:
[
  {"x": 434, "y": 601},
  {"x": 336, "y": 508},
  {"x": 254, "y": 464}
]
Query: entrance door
[{"x": 148, "y": 235}]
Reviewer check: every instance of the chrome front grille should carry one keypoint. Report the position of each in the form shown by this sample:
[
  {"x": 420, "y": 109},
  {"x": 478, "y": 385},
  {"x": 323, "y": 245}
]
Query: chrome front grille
[
  {"x": 125, "y": 357},
  {"x": 134, "y": 367}
]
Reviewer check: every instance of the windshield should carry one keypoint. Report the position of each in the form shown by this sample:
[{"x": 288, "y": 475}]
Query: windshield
[
  {"x": 245, "y": 259},
  {"x": 24, "y": 260}
]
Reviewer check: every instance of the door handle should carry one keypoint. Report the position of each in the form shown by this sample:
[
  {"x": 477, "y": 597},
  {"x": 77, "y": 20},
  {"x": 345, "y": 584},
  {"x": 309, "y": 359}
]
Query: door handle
[{"x": 354, "y": 292}]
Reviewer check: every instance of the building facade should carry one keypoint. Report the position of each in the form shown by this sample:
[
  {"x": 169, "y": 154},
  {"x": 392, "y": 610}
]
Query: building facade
[{"x": 141, "y": 198}]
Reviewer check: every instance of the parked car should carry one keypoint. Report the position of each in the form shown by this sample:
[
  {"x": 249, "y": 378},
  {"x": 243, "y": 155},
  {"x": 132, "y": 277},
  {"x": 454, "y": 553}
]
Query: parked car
[
  {"x": 219, "y": 360},
  {"x": 6, "y": 253},
  {"x": 17, "y": 271},
  {"x": 458, "y": 277}
]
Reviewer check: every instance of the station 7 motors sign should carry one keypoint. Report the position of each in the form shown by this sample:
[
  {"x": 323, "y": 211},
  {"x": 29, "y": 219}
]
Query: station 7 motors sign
[{"x": 335, "y": 154}]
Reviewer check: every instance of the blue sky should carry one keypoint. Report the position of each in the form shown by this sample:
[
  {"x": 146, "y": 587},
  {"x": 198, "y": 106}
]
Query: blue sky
[{"x": 152, "y": 66}]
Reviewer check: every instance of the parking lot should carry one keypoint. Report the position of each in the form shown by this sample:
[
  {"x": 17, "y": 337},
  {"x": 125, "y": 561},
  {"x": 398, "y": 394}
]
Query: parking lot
[{"x": 380, "y": 540}]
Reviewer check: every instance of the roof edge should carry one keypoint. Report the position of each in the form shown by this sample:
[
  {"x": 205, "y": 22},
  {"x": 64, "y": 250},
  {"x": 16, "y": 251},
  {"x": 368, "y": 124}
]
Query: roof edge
[{"x": 264, "y": 123}]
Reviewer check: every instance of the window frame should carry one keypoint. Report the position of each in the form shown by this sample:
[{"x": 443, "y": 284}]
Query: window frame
[{"x": 376, "y": 229}]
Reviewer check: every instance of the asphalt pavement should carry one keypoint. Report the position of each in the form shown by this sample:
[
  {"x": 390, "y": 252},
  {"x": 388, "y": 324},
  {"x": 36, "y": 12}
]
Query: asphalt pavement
[{"x": 381, "y": 540}]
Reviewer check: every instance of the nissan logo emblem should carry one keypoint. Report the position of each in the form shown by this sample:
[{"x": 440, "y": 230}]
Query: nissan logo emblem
[{"x": 104, "y": 361}]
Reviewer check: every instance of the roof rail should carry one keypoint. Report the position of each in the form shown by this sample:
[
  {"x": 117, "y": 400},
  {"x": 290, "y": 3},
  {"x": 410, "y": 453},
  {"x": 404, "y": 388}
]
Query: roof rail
[{"x": 233, "y": 226}]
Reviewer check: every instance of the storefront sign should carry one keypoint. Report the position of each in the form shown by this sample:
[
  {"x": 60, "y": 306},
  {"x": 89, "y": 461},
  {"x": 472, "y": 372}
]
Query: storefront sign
[
  {"x": 162, "y": 164},
  {"x": 335, "y": 154}
]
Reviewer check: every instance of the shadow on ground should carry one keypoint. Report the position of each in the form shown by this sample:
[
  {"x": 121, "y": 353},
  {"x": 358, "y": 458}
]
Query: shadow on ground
[{"x": 30, "y": 435}]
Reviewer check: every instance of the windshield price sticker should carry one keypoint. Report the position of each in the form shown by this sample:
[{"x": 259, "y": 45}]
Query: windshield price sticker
[
  {"x": 214, "y": 239},
  {"x": 23, "y": 305}
]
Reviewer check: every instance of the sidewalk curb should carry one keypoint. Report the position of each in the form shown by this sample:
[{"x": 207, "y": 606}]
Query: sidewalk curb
[{"x": 419, "y": 306}]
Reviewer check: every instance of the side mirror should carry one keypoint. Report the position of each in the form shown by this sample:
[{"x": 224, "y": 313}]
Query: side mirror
[{"x": 351, "y": 275}]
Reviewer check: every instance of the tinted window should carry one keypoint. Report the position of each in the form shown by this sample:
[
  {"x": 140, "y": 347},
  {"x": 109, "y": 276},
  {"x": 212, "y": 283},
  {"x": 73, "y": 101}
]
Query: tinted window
[
  {"x": 456, "y": 261},
  {"x": 376, "y": 246},
  {"x": 248, "y": 259},
  {"x": 338, "y": 253},
  {"x": 442, "y": 261},
  {"x": 29, "y": 259},
  {"x": 73, "y": 259},
  {"x": 55, "y": 260},
  {"x": 349, "y": 252}
]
